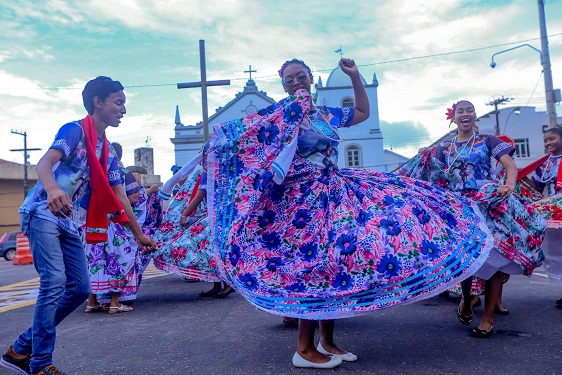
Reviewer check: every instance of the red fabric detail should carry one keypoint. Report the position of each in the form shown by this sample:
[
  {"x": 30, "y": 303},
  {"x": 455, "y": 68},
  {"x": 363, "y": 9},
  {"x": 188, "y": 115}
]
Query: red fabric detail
[
  {"x": 506, "y": 139},
  {"x": 531, "y": 167},
  {"x": 103, "y": 200},
  {"x": 194, "y": 192}
]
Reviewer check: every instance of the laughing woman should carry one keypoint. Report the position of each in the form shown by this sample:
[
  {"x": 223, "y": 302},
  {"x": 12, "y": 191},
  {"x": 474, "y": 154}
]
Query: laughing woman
[
  {"x": 464, "y": 164},
  {"x": 299, "y": 237}
]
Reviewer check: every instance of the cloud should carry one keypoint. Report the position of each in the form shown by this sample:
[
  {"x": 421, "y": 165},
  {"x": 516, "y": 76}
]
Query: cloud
[
  {"x": 15, "y": 86},
  {"x": 404, "y": 137},
  {"x": 52, "y": 48}
]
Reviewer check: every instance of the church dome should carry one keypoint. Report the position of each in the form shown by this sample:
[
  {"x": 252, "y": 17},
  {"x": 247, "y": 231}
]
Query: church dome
[{"x": 339, "y": 79}]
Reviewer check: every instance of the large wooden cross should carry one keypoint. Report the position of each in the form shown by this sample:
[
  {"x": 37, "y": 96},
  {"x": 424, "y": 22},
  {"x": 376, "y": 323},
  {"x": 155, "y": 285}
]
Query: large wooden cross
[{"x": 204, "y": 84}]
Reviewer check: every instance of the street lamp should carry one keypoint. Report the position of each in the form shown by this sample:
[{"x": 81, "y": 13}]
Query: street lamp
[
  {"x": 493, "y": 63},
  {"x": 517, "y": 111}
]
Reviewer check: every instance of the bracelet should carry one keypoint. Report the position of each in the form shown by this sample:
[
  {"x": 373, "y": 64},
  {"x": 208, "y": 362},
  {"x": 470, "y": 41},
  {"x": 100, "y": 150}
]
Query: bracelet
[{"x": 183, "y": 217}]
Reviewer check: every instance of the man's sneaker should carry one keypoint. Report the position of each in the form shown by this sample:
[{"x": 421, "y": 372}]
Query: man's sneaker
[
  {"x": 49, "y": 370},
  {"x": 9, "y": 361}
]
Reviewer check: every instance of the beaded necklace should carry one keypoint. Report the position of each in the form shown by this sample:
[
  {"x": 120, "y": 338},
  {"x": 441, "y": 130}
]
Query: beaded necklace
[
  {"x": 463, "y": 153},
  {"x": 549, "y": 170}
]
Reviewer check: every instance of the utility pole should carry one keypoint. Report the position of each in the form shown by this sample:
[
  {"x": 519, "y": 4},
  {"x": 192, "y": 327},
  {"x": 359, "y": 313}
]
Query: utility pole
[
  {"x": 203, "y": 84},
  {"x": 25, "y": 159},
  {"x": 545, "y": 62},
  {"x": 495, "y": 103}
]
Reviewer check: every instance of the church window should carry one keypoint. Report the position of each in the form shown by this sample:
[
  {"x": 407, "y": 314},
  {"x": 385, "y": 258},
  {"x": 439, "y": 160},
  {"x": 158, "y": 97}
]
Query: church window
[
  {"x": 353, "y": 156},
  {"x": 347, "y": 102}
]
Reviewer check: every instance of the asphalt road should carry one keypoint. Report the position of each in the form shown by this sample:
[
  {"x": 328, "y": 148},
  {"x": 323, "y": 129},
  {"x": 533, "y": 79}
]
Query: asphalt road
[{"x": 174, "y": 331}]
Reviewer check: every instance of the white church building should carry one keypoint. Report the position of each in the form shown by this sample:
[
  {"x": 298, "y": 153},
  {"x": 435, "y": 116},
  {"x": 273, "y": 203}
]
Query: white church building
[{"x": 362, "y": 145}]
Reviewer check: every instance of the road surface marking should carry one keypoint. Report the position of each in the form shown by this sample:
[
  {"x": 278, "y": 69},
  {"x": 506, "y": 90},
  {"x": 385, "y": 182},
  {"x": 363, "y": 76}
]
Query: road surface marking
[{"x": 22, "y": 294}]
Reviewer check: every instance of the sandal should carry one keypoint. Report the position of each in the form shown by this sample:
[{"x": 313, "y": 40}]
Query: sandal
[
  {"x": 481, "y": 334},
  {"x": 93, "y": 309},
  {"x": 119, "y": 309},
  {"x": 501, "y": 311},
  {"x": 466, "y": 320},
  {"x": 224, "y": 294}
]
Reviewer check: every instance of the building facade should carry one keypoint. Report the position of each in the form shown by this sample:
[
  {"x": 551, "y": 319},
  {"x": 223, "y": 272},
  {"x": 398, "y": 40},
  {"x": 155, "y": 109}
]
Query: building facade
[
  {"x": 524, "y": 125},
  {"x": 12, "y": 193},
  {"x": 188, "y": 139}
]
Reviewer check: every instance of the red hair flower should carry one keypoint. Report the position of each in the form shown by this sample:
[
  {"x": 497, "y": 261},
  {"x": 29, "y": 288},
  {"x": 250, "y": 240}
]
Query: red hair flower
[{"x": 451, "y": 112}]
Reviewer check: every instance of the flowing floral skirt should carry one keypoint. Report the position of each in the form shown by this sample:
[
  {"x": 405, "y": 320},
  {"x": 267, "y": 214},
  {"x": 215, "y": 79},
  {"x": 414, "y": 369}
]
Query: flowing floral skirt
[
  {"x": 330, "y": 243},
  {"x": 114, "y": 264},
  {"x": 188, "y": 251},
  {"x": 517, "y": 226}
]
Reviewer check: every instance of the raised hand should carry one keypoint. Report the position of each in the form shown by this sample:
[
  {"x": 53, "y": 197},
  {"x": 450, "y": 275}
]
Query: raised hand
[{"x": 348, "y": 66}]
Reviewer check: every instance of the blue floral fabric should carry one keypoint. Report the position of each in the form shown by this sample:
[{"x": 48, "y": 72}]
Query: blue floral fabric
[{"x": 328, "y": 242}]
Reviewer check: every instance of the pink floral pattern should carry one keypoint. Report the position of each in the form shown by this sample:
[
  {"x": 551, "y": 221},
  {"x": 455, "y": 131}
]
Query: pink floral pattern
[
  {"x": 185, "y": 252},
  {"x": 330, "y": 243}
]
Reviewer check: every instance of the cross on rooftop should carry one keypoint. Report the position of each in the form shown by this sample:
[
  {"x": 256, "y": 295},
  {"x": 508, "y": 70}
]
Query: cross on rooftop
[{"x": 250, "y": 71}]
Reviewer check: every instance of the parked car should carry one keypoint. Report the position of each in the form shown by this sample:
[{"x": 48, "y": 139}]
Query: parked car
[{"x": 8, "y": 245}]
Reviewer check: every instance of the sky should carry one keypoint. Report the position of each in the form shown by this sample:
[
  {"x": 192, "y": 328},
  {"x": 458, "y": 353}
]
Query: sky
[{"x": 425, "y": 54}]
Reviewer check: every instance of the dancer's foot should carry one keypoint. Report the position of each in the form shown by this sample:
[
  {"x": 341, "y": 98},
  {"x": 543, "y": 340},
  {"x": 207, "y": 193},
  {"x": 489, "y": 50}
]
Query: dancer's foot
[
  {"x": 314, "y": 356},
  {"x": 216, "y": 289},
  {"x": 501, "y": 310},
  {"x": 225, "y": 292},
  {"x": 300, "y": 361},
  {"x": 485, "y": 325},
  {"x": 465, "y": 309},
  {"x": 333, "y": 349}
]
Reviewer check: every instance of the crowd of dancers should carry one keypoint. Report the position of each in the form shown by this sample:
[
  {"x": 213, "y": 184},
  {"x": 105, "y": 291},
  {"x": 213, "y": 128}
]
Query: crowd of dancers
[{"x": 264, "y": 210}]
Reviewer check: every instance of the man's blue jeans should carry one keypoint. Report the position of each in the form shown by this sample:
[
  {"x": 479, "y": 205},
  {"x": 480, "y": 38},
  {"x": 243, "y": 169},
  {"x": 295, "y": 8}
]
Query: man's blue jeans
[{"x": 64, "y": 284}]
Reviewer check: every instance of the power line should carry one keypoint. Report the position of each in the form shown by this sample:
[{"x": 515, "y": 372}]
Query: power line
[{"x": 148, "y": 85}]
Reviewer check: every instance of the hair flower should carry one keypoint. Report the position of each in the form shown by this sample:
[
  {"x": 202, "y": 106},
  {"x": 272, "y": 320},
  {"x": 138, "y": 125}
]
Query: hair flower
[{"x": 451, "y": 112}]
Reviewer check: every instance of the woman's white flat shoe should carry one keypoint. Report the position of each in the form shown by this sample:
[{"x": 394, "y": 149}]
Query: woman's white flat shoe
[
  {"x": 299, "y": 361},
  {"x": 348, "y": 357}
]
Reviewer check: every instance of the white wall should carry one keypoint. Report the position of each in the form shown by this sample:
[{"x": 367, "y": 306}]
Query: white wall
[{"x": 528, "y": 124}]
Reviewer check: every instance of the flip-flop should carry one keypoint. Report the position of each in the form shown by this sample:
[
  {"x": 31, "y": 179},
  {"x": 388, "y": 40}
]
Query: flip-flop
[
  {"x": 122, "y": 308},
  {"x": 93, "y": 309}
]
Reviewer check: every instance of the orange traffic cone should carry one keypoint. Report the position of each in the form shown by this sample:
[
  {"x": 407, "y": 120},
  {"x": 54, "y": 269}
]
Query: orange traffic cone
[{"x": 23, "y": 251}]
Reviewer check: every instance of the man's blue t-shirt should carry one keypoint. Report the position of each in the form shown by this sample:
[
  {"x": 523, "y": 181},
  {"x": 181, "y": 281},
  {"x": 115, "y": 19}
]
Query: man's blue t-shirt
[{"x": 72, "y": 175}]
